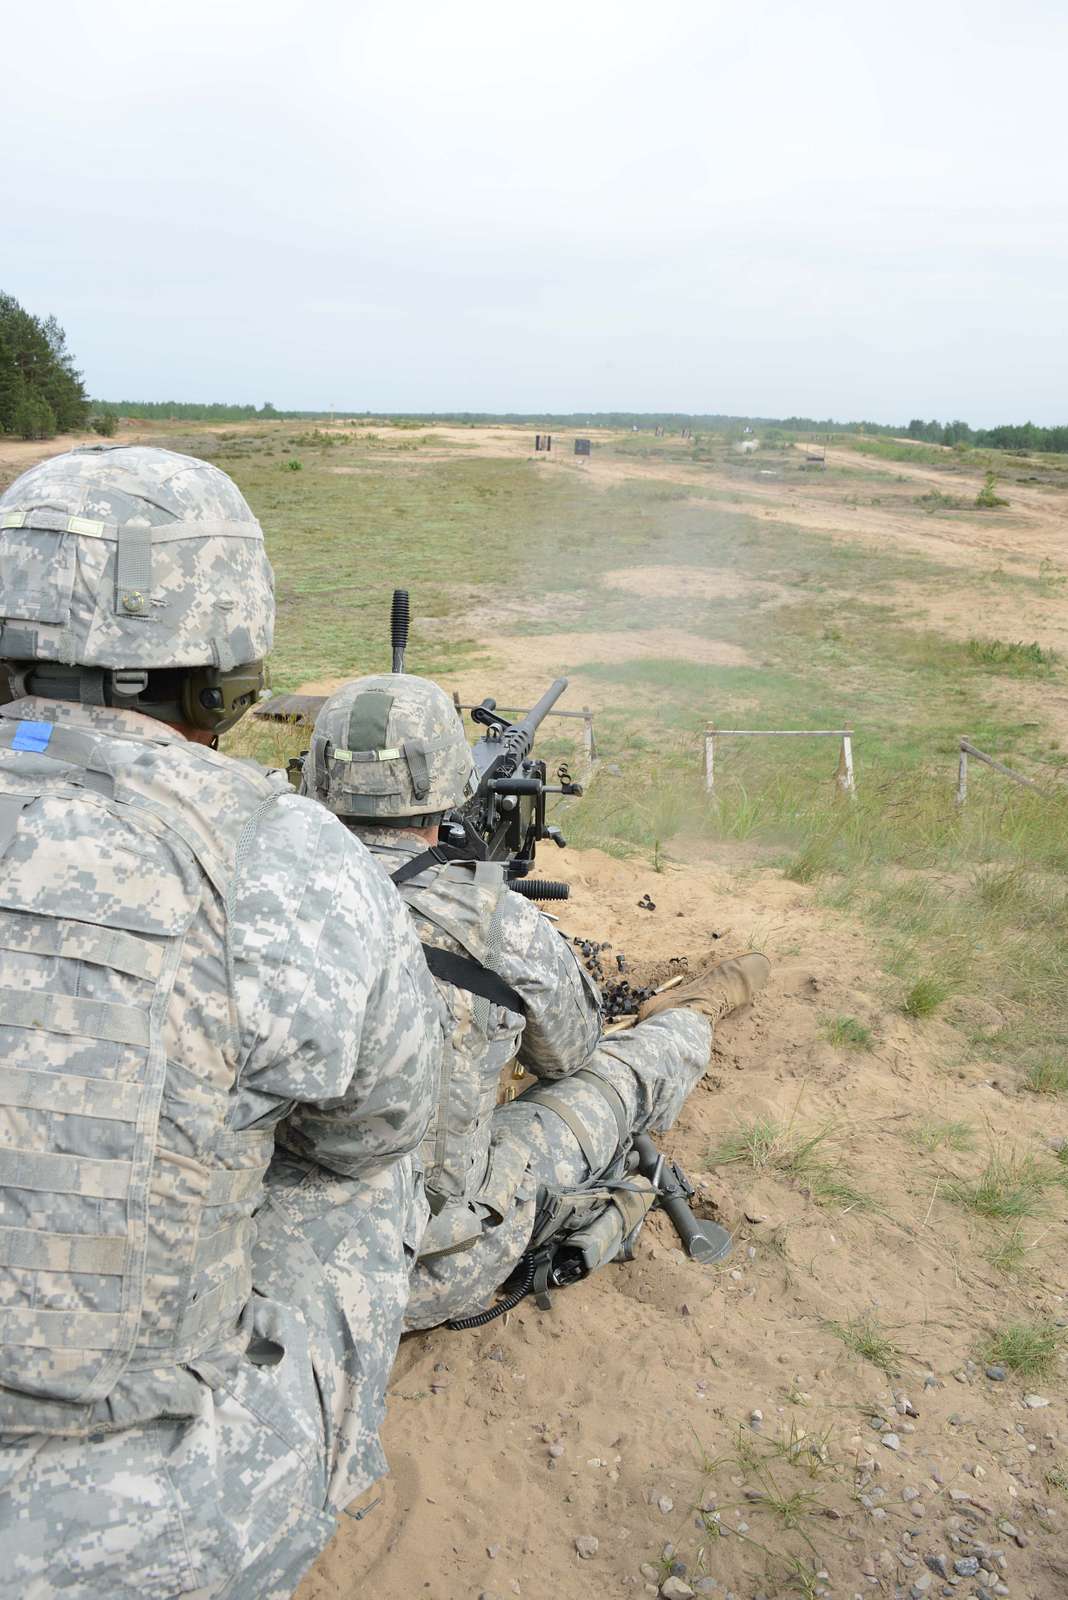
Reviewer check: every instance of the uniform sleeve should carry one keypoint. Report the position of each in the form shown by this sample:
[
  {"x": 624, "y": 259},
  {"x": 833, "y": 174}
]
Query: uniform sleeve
[
  {"x": 335, "y": 1011},
  {"x": 563, "y": 1017}
]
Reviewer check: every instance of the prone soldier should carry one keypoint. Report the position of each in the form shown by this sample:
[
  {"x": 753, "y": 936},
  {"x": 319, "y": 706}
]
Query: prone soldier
[
  {"x": 196, "y": 965},
  {"x": 509, "y": 1184}
]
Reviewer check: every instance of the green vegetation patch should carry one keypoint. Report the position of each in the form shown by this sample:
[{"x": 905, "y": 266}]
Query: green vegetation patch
[{"x": 1029, "y": 1349}]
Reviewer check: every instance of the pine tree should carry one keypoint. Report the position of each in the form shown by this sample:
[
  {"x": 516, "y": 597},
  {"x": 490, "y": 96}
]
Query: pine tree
[
  {"x": 11, "y": 386},
  {"x": 34, "y": 417},
  {"x": 40, "y": 387}
]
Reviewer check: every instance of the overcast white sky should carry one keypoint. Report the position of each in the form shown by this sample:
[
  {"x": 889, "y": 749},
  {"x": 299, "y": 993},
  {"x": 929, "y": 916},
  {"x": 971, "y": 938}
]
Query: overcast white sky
[{"x": 825, "y": 208}]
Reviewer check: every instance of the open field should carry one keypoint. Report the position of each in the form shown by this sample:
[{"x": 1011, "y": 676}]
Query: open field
[{"x": 883, "y": 1131}]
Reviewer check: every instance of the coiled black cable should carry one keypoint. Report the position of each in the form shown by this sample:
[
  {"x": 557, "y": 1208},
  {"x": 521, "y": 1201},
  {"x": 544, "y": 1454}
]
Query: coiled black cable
[{"x": 462, "y": 1324}]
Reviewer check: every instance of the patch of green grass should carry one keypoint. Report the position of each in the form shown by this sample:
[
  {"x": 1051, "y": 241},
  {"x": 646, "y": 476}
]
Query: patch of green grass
[
  {"x": 846, "y": 1033},
  {"x": 1007, "y": 1188},
  {"x": 988, "y": 498},
  {"x": 801, "y": 1579},
  {"x": 1029, "y": 1349},
  {"x": 934, "y": 1132},
  {"x": 935, "y": 500},
  {"x": 768, "y": 1143},
  {"x": 829, "y": 1185},
  {"x": 792, "y": 1509},
  {"x": 926, "y": 455},
  {"x": 814, "y": 860},
  {"x": 1056, "y": 1478},
  {"x": 1012, "y": 656},
  {"x": 757, "y": 1144},
  {"x": 866, "y": 1339},
  {"x": 926, "y": 995},
  {"x": 1047, "y": 1077},
  {"x": 1008, "y": 1254},
  {"x": 800, "y": 1448}
]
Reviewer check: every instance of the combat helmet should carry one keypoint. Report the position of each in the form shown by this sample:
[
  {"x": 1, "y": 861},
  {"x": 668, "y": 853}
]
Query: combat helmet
[
  {"x": 135, "y": 577},
  {"x": 390, "y": 746}
]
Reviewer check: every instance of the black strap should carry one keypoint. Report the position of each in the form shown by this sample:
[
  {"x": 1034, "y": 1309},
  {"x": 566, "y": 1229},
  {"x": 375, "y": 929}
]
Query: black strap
[
  {"x": 464, "y": 972},
  {"x": 439, "y": 855}
]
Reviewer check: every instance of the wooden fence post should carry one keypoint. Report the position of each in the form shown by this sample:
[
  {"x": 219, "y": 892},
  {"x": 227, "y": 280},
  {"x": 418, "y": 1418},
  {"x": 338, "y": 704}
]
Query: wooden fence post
[
  {"x": 962, "y": 775},
  {"x": 589, "y": 743},
  {"x": 844, "y": 776},
  {"x": 710, "y": 759}
]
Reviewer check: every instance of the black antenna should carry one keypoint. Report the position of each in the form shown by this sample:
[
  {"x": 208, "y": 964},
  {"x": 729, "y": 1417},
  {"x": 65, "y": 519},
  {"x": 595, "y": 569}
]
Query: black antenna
[{"x": 399, "y": 619}]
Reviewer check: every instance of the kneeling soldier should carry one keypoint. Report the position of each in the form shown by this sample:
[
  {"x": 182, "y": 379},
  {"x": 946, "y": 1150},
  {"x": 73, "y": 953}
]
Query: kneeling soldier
[{"x": 389, "y": 757}]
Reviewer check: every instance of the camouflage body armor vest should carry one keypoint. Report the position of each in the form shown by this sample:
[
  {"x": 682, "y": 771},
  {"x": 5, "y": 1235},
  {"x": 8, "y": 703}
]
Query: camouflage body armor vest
[
  {"x": 469, "y": 1179},
  {"x": 125, "y": 1190}
]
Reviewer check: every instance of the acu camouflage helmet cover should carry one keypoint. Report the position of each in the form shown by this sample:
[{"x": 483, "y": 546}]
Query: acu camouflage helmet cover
[
  {"x": 132, "y": 557},
  {"x": 389, "y": 746}
]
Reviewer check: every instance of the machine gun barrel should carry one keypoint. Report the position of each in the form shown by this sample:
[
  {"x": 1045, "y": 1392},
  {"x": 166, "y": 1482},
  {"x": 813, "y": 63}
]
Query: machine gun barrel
[{"x": 518, "y": 737}]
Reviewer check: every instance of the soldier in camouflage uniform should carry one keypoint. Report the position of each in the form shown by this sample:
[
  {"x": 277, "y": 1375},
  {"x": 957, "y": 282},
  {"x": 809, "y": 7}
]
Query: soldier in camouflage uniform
[
  {"x": 389, "y": 756},
  {"x": 194, "y": 963}
]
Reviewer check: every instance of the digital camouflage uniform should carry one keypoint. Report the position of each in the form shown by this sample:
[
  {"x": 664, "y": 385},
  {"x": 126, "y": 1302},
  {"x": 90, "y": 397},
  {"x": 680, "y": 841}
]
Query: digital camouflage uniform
[
  {"x": 485, "y": 1162},
  {"x": 393, "y": 746},
  {"x": 193, "y": 963}
]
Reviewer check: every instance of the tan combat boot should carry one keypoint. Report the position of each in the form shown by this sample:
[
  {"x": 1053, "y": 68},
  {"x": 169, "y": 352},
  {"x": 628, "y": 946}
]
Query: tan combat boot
[{"x": 722, "y": 988}]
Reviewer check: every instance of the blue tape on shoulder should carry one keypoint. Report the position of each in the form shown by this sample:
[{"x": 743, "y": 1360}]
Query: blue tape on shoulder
[{"x": 33, "y": 736}]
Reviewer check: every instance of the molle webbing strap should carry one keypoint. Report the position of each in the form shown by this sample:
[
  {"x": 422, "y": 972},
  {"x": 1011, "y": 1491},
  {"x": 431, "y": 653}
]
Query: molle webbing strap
[
  {"x": 494, "y": 950},
  {"x": 368, "y": 721},
  {"x": 64, "y": 1013},
  {"x": 49, "y": 1173},
  {"x": 216, "y": 1308},
  {"x": 229, "y": 1186},
  {"x": 80, "y": 941},
  {"x": 91, "y": 686},
  {"x": 17, "y": 642},
  {"x": 64, "y": 1092},
  {"x": 418, "y": 766},
  {"x": 32, "y": 1251},
  {"x": 133, "y": 570},
  {"x": 64, "y": 1330},
  {"x": 74, "y": 746},
  {"x": 464, "y": 972}
]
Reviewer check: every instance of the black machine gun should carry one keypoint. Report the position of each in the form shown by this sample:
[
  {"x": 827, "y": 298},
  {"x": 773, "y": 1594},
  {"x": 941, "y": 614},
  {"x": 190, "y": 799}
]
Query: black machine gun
[
  {"x": 506, "y": 814},
  {"x": 504, "y": 820}
]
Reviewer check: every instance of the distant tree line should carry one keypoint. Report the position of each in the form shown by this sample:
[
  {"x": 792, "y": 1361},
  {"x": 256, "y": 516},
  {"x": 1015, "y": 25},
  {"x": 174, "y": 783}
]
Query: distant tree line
[
  {"x": 194, "y": 411},
  {"x": 41, "y": 390},
  {"x": 1024, "y": 436}
]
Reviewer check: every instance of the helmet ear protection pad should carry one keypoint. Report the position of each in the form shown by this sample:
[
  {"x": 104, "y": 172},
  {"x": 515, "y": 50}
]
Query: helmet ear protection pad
[{"x": 214, "y": 699}]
